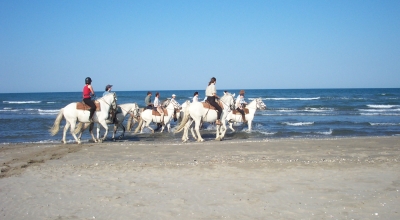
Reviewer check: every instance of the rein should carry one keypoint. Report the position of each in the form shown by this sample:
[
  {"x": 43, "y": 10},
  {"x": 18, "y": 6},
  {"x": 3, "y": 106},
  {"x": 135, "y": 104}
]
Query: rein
[{"x": 109, "y": 104}]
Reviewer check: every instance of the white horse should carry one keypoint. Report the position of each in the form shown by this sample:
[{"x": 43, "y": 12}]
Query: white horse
[
  {"x": 235, "y": 116},
  {"x": 198, "y": 113},
  {"x": 122, "y": 110},
  {"x": 146, "y": 117},
  {"x": 72, "y": 115}
]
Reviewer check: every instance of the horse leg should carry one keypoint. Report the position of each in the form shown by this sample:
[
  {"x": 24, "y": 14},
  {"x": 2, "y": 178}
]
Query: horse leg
[
  {"x": 231, "y": 126},
  {"x": 197, "y": 124},
  {"x": 217, "y": 136},
  {"x": 73, "y": 124},
  {"x": 147, "y": 124},
  {"x": 185, "y": 136},
  {"x": 91, "y": 132},
  {"x": 63, "y": 140},
  {"x": 249, "y": 123},
  {"x": 105, "y": 126},
  {"x": 123, "y": 131}
]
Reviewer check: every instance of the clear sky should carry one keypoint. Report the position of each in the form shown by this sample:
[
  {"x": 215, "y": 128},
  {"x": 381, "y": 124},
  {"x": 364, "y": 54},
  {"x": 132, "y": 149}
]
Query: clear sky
[{"x": 52, "y": 46}]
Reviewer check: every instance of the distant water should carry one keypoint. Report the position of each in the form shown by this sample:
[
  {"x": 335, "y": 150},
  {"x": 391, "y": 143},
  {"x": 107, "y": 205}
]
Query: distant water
[{"x": 300, "y": 113}]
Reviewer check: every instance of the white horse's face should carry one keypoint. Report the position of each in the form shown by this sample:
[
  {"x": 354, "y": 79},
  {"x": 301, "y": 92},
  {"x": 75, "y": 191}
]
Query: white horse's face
[
  {"x": 229, "y": 100},
  {"x": 114, "y": 101},
  {"x": 260, "y": 104},
  {"x": 135, "y": 110}
]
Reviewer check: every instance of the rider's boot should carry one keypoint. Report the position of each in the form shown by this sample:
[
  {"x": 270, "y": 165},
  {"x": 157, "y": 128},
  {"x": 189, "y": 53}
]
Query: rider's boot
[{"x": 244, "y": 119}]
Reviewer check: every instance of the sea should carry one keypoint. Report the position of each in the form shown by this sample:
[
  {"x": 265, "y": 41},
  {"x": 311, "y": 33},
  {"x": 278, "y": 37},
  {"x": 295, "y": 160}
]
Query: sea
[{"x": 290, "y": 113}]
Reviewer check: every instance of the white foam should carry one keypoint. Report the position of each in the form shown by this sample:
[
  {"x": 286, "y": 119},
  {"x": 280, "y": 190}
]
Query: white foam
[
  {"x": 384, "y": 124},
  {"x": 325, "y": 132},
  {"x": 383, "y": 106},
  {"x": 22, "y": 102},
  {"x": 285, "y": 99},
  {"x": 298, "y": 123}
]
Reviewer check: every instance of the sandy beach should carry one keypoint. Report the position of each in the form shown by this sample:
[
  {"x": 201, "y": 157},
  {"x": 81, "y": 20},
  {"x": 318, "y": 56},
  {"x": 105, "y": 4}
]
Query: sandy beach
[{"x": 348, "y": 178}]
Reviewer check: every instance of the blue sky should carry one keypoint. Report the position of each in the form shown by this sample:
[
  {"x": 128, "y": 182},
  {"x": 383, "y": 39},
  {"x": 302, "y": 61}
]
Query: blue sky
[{"x": 52, "y": 46}]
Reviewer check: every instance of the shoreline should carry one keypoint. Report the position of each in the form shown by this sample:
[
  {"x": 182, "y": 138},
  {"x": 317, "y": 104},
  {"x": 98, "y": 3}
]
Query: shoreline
[{"x": 274, "y": 178}]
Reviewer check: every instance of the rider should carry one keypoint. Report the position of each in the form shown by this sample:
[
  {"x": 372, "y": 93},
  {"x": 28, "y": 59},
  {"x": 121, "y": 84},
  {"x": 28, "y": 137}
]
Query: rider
[
  {"x": 147, "y": 101},
  {"x": 108, "y": 90},
  {"x": 112, "y": 111},
  {"x": 88, "y": 93},
  {"x": 195, "y": 97},
  {"x": 211, "y": 94},
  {"x": 158, "y": 107},
  {"x": 175, "y": 102},
  {"x": 241, "y": 103}
]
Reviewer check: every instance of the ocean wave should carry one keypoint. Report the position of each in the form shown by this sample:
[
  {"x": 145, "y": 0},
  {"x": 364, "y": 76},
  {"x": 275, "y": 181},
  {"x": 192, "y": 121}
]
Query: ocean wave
[
  {"x": 325, "y": 132},
  {"x": 309, "y": 109},
  {"x": 297, "y": 114},
  {"x": 285, "y": 99},
  {"x": 380, "y": 114},
  {"x": 380, "y": 110},
  {"x": 298, "y": 123},
  {"x": 22, "y": 102},
  {"x": 384, "y": 124},
  {"x": 383, "y": 106},
  {"x": 50, "y": 112}
]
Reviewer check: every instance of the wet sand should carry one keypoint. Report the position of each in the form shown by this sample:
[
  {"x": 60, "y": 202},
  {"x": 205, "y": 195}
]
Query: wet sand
[{"x": 347, "y": 178}]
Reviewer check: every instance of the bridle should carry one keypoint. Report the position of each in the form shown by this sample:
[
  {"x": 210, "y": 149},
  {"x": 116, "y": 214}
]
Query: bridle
[{"x": 113, "y": 103}]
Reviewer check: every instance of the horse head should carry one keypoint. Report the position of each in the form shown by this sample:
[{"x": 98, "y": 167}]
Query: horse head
[
  {"x": 260, "y": 104},
  {"x": 165, "y": 103},
  {"x": 110, "y": 100},
  {"x": 134, "y": 110},
  {"x": 175, "y": 104},
  {"x": 229, "y": 100},
  {"x": 114, "y": 101}
]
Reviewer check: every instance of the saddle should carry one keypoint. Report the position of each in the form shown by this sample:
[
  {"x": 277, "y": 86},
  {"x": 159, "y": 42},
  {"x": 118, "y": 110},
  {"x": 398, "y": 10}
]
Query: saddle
[
  {"x": 207, "y": 105},
  {"x": 236, "y": 112},
  {"x": 83, "y": 106},
  {"x": 155, "y": 112}
]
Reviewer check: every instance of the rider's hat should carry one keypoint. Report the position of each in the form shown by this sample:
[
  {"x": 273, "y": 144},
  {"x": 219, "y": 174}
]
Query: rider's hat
[
  {"x": 173, "y": 95},
  {"x": 108, "y": 86}
]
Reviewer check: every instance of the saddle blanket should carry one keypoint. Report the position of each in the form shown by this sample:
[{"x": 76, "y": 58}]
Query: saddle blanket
[
  {"x": 83, "y": 106},
  {"x": 155, "y": 112},
  {"x": 207, "y": 105},
  {"x": 235, "y": 112}
]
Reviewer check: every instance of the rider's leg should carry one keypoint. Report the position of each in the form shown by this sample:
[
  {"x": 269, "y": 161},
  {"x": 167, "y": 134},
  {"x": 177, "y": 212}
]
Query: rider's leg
[{"x": 211, "y": 100}]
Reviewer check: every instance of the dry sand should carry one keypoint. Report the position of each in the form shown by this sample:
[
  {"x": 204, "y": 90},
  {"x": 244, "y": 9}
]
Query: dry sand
[{"x": 349, "y": 178}]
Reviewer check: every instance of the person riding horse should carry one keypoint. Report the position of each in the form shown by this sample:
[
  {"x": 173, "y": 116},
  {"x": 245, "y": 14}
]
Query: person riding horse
[
  {"x": 211, "y": 94},
  {"x": 158, "y": 107},
  {"x": 88, "y": 93},
  {"x": 112, "y": 111},
  {"x": 241, "y": 103}
]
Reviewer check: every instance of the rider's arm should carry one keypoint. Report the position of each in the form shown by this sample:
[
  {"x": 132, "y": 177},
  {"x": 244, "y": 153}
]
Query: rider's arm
[{"x": 91, "y": 89}]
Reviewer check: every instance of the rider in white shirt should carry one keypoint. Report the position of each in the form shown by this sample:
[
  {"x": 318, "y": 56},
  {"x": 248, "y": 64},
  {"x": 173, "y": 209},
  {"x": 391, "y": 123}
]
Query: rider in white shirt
[
  {"x": 195, "y": 97},
  {"x": 158, "y": 107},
  {"x": 241, "y": 103}
]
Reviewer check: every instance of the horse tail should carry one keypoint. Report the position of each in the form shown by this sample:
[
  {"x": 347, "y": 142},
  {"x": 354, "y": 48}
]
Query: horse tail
[
  {"x": 139, "y": 125},
  {"x": 184, "y": 120},
  {"x": 78, "y": 128},
  {"x": 56, "y": 126}
]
